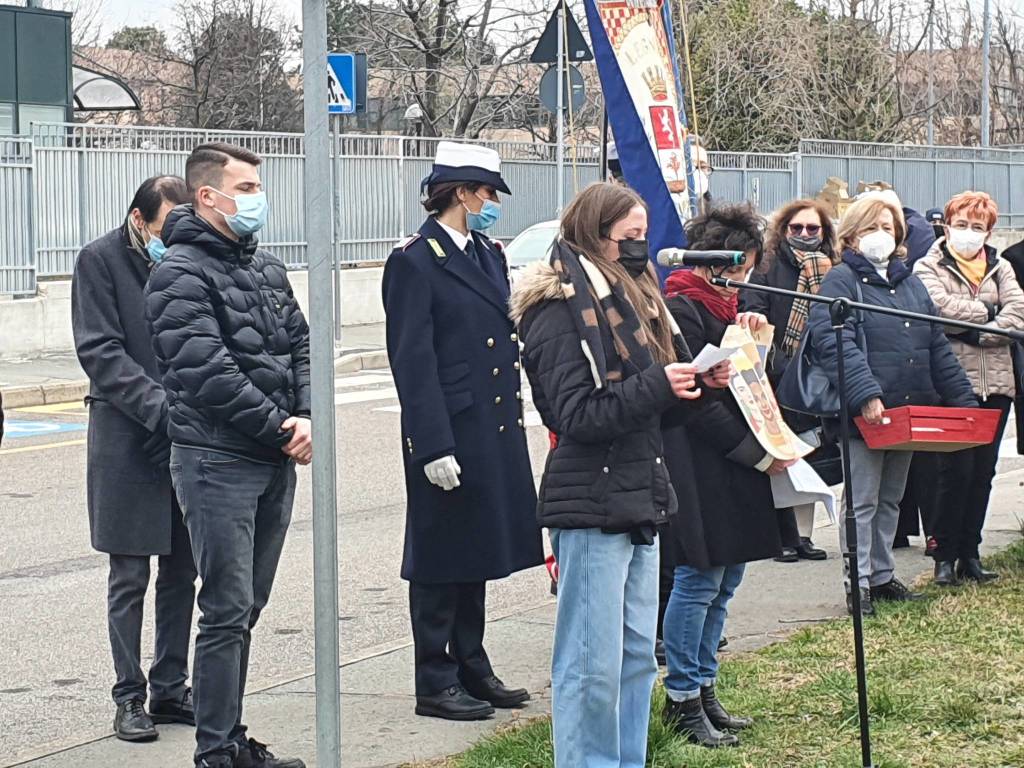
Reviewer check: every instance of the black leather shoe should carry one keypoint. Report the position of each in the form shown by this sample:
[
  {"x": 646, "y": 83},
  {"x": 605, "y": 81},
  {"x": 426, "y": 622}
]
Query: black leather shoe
[
  {"x": 867, "y": 607},
  {"x": 807, "y": 551},
  {"x": 659, "y": 652},
  {"x": 901, "y": 542},
  {"x": 216, "y": 761},
  {"x": 493, "y": 691},
  {"x": 895, "y": 591},
  {"x": 724, "y": 642},
  {"x": 170, "y": 711},
  {"x": 131, "y": 723},
  {"x": 789, "y": 555},
  {"x": 945, "y": 576},
  {"x": 970, "y": 568},
  {"x": 716, "y": 713},
  {"x": 453, "y": 704},
  {"x": 687, "y": 719},
  {"x": 252, "y": 754}
]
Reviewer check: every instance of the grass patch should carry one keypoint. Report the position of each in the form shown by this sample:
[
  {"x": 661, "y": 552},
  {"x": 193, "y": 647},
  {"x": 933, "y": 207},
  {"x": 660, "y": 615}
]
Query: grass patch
[{"x": 945, "y": 681}]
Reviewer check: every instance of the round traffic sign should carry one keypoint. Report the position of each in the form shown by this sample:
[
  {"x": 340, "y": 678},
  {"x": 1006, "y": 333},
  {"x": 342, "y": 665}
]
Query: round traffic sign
[{"x": 573, "y": 92}]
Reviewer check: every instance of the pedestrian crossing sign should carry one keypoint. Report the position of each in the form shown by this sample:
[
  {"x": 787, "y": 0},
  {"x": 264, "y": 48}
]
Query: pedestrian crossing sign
[{"x": 341, "y": 83}]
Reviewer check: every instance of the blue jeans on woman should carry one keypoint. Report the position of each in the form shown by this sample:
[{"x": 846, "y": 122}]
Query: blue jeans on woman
[
  {"x": 693, "y": 627},
  {"x": 603, "y": 668}
]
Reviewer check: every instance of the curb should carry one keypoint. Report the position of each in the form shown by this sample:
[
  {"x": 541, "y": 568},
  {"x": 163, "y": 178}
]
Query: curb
[
  {"x": 45, "y": 394},
  {"x": 360, "y": 361},
  {"x": 70, "y": 391}
]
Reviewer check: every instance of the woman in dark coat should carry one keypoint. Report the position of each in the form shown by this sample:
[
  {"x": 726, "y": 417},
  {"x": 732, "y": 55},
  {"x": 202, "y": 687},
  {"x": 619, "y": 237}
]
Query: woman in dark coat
[
  {"x": 454, "y": 355},
  {"x": 903, "y": 362},
  {"x": 720, "y": 471},
  {"x": 800, "y": 249},
  {"x": 601, "y": 352},
  {"x": 133, "y": 514}
]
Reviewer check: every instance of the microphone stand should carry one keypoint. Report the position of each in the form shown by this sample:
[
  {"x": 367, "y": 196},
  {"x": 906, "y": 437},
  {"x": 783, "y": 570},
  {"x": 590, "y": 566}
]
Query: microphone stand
[{"x": 839, "y": 311}]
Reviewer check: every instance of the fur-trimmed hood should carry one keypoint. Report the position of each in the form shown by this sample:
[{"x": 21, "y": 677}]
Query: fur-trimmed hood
[{"x": 535, "y": 284}]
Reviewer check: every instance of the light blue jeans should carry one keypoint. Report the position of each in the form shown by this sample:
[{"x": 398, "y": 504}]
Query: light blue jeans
[
  {"x": 694, "y": 621},
  {"x": 603, "y": 669}
]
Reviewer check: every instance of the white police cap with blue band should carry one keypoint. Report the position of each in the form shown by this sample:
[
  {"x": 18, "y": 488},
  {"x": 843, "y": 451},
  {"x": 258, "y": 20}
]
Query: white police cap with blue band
[{"x": 466, "y": 162}]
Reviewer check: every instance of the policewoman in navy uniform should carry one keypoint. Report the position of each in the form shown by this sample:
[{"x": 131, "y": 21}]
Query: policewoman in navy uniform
[{"x": 454, "y": 352}]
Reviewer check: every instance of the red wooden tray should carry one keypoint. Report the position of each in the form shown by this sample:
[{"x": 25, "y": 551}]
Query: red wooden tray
[{"x": 925, "y": 428}]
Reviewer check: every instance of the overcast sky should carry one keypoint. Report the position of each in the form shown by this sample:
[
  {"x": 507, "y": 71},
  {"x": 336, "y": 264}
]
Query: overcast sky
[{"x": 119, "y": 13}]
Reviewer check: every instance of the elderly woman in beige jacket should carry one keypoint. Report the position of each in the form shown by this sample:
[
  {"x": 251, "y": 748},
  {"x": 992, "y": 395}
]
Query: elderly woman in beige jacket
[{"x": 968, "y": 281}]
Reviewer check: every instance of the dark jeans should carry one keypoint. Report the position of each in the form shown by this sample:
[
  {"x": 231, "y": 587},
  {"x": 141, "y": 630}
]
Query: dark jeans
[
  {"x": 237, "y": 513},
  {"x": 964, "y": 487},
  {"x": 175, "y": 595},
  {"x": 448, "y": 632}
]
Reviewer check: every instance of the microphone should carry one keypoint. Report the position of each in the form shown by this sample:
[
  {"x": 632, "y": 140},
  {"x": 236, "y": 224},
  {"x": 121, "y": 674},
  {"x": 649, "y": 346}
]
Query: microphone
[{"x": 680, "y": 257}]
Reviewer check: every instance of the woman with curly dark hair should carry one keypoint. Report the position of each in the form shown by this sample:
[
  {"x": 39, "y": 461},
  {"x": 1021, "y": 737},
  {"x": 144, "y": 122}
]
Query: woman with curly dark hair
[
  {"x": 726, "y": 514},
  {"x": 800, "y": 249}
]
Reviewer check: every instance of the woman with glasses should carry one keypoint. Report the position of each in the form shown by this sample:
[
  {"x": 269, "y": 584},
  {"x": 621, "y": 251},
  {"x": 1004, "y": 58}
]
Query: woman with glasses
[
  {"x": 800, "y": 249},
  {"x": 967, "y": 281}
]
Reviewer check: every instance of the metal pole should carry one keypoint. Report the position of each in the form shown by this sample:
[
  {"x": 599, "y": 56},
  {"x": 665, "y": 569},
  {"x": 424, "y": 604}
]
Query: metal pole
[
  {"x": 604, "y": 143},
  {"x": 839, "y": 311},
  {"x": 931, "y": 78},
  {"x": 335, "y": 142},
  {"x": 318, "y": 202},
  {"x": 560, "y": 150},
  {"x": 986, "y": 64}
]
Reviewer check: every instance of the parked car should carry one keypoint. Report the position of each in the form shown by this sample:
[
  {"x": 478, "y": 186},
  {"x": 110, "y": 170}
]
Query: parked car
[{"x": 530, "y": 245}]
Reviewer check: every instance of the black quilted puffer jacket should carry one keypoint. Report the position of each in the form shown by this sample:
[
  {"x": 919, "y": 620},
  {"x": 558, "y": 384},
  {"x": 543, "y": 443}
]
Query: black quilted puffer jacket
[{"x": 230, "y": 340}]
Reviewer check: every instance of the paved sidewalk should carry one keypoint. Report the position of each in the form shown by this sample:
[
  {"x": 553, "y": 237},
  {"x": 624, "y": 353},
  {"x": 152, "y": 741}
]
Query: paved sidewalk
[
  {"x": 380, "y": 729},
  {"x": 58, "y": 378}
]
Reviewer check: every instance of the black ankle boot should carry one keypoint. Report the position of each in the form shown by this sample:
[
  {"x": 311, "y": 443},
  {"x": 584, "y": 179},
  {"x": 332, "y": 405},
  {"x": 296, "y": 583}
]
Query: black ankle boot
[
  {"x": 687, "y": 719},
  {"x": 716, "y": 713},
  {"x": 970, "y": 568},
  {"x": 945, "y": 575}
]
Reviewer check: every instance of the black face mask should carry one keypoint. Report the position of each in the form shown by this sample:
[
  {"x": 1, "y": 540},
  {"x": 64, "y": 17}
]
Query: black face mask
[
  {"x": 807, "y": 244},
  {"x": 634, "y": 256}
]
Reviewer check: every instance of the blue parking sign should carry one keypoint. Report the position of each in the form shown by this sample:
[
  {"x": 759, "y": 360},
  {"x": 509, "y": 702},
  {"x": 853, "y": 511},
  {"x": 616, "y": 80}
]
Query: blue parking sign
[{"x": 341, "y": 83}]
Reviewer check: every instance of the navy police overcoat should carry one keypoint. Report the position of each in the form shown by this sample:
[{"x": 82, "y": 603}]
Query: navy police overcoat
[{"x": 454, "y": 355}]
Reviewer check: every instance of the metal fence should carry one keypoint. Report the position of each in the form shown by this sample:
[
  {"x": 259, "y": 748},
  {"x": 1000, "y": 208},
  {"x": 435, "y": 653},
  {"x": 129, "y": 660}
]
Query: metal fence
[
  {"x": 67, "y": 184},
  {"x": 924, "y": 177},
  {"x": 17, "y": 250}
]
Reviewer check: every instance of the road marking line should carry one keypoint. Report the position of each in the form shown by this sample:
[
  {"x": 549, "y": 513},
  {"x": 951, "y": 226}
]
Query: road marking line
[
  {"x": 363, "y": 381},
  {"x": 52, "y": 408},
  {"x": 350, "y": 398},
  {"x": 46, "y": 446}
]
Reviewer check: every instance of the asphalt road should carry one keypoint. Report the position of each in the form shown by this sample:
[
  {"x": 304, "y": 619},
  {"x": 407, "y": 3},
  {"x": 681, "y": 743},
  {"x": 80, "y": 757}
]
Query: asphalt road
[{"x": 55, "y": 668}]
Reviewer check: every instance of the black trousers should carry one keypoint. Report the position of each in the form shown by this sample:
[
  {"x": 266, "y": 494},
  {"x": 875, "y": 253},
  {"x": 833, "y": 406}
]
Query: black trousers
[
  {"x": 964, "y": 488},
  {"x": 919, "y": 498},
  {"x": 448, "y": 632},
  {"x": 175, "y": 595}
]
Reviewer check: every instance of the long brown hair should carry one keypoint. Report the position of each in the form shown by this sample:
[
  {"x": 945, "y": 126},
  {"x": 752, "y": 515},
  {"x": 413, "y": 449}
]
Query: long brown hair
[
  {"x": 586, "y": 223},
  {"x": 777, "y": 231}
]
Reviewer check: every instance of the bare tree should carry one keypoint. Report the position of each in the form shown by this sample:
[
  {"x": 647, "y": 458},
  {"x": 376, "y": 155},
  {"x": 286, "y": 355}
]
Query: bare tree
[
  {"x": 86, "y": 22},
  {"x": 465, "y": 64}
]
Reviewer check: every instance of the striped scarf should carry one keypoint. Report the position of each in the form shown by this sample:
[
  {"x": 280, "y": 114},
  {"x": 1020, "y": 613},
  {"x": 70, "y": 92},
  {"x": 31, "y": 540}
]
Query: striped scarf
[
  {"x": 611, "y": 332},
  {"x": 813, "y": 268}
]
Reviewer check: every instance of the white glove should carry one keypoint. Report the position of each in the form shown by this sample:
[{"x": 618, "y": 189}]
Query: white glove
[{"x": 444, "y": 473}]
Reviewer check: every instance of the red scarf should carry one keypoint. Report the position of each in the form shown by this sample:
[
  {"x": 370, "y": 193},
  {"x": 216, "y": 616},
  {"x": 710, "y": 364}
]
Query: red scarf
[{"x": 687, "y": 283}]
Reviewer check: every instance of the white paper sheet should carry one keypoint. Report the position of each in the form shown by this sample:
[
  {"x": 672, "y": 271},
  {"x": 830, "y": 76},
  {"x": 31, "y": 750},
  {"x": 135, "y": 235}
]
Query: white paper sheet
[
  {"x": 800, "y": 484},
  {"x": 711, "y": 356}
]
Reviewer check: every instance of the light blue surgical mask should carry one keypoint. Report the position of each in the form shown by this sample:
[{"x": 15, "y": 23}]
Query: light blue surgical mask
[
  {"x": 251, "y": 214},
  {"x": 156, "y": 249},
  {"x": 486, "y": 218}
]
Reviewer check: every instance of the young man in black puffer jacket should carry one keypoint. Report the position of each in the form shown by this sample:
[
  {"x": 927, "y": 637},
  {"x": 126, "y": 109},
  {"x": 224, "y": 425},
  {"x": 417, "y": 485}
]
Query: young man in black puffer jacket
[{"x": 233, "y": 349}]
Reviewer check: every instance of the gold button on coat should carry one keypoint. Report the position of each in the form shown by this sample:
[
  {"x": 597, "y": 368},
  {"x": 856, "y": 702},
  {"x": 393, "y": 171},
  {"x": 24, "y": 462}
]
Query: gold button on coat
[
  {"x": 495, "y": 372},
  {"x": 497, "y": 400},
  {"x": 501, "y": 428},
  {"x": 490, "y": 342}
]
